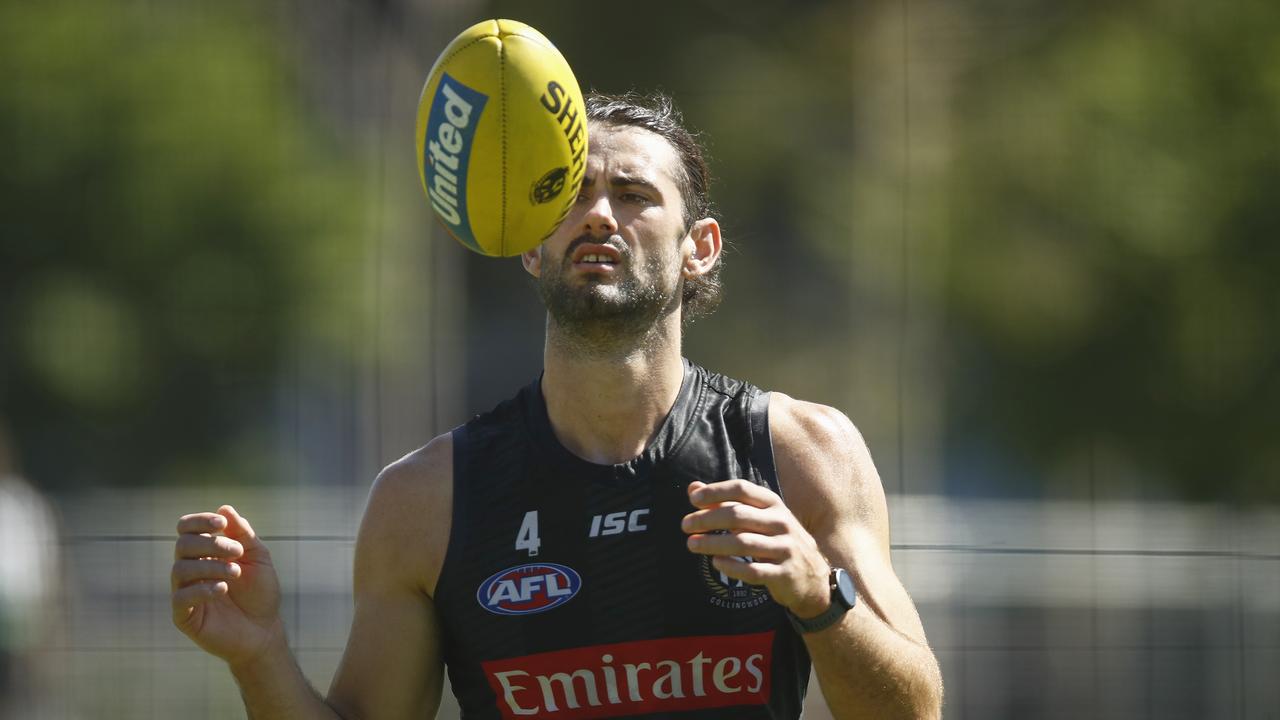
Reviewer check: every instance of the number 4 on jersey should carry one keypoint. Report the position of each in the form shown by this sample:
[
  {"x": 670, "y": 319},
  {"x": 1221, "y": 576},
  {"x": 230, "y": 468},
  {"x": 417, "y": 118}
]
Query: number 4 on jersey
[{"x": 527, "y": 538}]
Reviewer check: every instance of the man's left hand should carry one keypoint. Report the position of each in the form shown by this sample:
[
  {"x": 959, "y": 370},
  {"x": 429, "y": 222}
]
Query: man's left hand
[{"x": 759, "y": 542}]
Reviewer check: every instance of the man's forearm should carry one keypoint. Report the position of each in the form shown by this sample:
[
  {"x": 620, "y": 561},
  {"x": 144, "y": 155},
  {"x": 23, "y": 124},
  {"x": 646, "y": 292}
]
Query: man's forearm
[
  {"x": 868, "y": 669},
  {"x": 274, "y": 688}
]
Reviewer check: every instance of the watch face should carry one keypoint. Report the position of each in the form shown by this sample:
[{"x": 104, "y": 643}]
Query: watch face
[{"x": 844, "y": 585}]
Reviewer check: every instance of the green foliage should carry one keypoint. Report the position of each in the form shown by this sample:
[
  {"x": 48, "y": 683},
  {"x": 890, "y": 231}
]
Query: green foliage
[
  {"x": 1033, "y": 240},
  {"x": 1113, "y": 284},
  {"x": 175, "y": 220},
  {"x": 1028, "y": 245}
]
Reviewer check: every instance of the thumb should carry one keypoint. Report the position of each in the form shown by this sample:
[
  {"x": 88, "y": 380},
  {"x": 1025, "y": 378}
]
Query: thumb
[{"x": 239, "y": 529}]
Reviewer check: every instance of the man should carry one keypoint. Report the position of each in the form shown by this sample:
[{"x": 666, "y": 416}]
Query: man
[{"x": 612, "y": 541}]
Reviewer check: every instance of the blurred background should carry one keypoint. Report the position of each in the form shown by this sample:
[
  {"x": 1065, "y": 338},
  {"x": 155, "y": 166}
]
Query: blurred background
[{"x": 1029, "y": 247}]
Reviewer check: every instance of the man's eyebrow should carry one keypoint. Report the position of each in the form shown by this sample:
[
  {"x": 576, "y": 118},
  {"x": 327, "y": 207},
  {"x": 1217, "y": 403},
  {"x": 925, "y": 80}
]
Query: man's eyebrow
[{"x": 623, "y": 179}]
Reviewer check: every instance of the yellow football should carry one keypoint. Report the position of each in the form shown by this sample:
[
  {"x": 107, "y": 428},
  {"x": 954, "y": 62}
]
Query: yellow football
[{"x": 501, "y": 137}]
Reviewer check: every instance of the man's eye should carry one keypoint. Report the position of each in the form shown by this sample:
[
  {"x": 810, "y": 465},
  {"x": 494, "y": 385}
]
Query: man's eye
[{"x": 634, "y": 197}]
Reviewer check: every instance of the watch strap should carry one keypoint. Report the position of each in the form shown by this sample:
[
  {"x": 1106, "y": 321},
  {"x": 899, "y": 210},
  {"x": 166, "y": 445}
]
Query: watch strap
[{"x": 836, "y": 610}]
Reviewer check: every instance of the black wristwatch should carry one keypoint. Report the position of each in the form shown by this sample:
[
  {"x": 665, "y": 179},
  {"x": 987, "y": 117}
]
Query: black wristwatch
[{"x": 843, "y": 597}]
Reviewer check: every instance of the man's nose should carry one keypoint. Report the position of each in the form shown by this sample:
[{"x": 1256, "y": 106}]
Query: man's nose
[{"x": 599, "y": 220}]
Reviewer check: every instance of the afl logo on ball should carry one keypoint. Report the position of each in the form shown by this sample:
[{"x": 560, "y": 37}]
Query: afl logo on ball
[
  {"x": 549, "y": 187},
  {"x": 528, "y": 589}
]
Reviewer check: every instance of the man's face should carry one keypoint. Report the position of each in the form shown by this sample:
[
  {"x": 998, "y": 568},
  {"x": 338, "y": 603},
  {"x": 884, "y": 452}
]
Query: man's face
[{"x": 614, "y": 264}]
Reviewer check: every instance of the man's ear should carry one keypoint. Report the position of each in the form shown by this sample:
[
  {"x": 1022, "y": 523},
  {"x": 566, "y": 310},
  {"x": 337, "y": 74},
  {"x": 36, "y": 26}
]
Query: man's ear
[
  {"x": 532, "y": 260},
  {"x": 702, "y": 247}
]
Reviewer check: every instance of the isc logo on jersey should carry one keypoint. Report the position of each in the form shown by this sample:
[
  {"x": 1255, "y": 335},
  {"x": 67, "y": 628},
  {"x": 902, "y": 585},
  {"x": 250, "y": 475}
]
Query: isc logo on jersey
[
  {"x": 446, "y": 153},
  {"x": 528, "y": 589}
]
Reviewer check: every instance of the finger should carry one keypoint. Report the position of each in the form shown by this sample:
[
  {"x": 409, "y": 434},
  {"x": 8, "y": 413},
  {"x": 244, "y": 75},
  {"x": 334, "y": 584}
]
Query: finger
[
  {"x": 207, "y": 546},
  {"x": 201, "y": 523},
  {"x": 186, "y": 599},
  {"x": 752, "y": 573},
  {"x": 186, "y": 572},
  {"x": 735, "y": 516},
  {"x": 760, "y": 547},
  {"x": 239, "y": 528},
  {"x": 703, "y": 495}
]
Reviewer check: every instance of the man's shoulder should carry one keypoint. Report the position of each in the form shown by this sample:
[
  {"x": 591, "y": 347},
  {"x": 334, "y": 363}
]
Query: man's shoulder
[
  {"x": 798, "y": 423},
  {"x": 822, "y": 459},
  {"x": 511, "y": 408},
  {"x": 719, "y": 382},
  {"x": 410, "y": 506},
  {"x": 419, "y": 476},
  {"x": 501, "y": 423}
]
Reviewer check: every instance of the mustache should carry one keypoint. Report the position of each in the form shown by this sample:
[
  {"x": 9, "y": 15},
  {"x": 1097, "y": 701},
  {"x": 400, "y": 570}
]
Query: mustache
[{"x": 613, "y": 241}]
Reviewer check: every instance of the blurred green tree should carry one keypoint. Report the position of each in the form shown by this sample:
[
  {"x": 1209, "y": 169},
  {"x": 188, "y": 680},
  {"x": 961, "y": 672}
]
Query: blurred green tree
[
  {"x": 175, "y": 222},
  {"x": 1113, "y": 285},
  {"x": 1077, "y": 198}
]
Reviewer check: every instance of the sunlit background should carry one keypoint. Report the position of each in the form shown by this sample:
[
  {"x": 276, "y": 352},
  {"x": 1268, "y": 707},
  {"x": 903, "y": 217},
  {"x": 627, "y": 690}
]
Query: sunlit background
[{"x": 1031, "y": 248}]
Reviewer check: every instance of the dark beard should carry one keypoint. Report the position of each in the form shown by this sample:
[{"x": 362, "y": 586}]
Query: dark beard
[{"x": 599, "y": 317}]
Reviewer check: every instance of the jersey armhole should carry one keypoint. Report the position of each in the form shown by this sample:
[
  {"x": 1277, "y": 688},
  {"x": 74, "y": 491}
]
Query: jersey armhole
[
  {"x": 762, "y": 442},
  {"x": 458, "y": 499}
]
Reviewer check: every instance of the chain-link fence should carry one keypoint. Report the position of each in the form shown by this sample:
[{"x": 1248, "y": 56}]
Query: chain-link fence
[{"x": 1036, "y": 609}]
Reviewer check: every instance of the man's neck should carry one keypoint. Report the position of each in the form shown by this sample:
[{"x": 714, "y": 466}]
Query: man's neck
[{"x": 606, "y": 407}]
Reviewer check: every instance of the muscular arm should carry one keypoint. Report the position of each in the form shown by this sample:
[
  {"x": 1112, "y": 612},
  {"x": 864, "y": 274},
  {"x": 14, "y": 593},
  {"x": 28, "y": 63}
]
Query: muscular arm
[
  {"x": 876, "y": 661},
  {"x": 391, "y": 668}
]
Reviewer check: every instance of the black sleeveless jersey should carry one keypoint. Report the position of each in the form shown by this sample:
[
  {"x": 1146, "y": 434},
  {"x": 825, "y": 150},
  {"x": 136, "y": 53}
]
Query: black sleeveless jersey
[{"x": 568, "y": 591}]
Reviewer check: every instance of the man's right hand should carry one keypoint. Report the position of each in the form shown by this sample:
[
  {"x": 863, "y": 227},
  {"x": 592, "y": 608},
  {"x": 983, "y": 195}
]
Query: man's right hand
[{"x": 226, "y": 596}]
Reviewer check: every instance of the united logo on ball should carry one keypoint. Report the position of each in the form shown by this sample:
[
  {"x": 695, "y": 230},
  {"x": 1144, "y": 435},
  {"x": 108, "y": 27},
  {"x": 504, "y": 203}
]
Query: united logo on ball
[
  {"x": 501, "y": 136},
  {"x": 450, "y": 130}
]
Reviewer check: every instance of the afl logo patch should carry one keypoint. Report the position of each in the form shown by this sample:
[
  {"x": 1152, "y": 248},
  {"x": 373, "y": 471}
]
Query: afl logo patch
[
  {"x": 549, "y": 186},
  {"x": 528, "y": 589}
]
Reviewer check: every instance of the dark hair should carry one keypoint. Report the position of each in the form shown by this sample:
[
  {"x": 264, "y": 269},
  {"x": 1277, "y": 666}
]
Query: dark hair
[{"x": 657, "y": 113}]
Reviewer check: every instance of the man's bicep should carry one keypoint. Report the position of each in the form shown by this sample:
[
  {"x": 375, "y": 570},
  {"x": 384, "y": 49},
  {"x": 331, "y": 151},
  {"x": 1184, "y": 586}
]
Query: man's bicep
[
  {"x": 862, "y": 533},
  {"x": 835, "y": 490},
  {"x": 392, "y": 665},
  {"x": 860, "y": 550},
  {"x": 391, "y": 668}
]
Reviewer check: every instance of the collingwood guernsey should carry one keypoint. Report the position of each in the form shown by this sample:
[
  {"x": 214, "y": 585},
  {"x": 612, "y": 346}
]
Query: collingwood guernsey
[{"x": 568, "y": 592}]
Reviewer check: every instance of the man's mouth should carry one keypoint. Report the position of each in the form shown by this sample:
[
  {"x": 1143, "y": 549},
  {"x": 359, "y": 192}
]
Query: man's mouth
[{"x": 596, "y": 256}]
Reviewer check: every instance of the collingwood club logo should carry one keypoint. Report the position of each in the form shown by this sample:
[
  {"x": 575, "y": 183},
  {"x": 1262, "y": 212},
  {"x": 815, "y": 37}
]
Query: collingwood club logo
[{"x": 731, "y": 593}]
